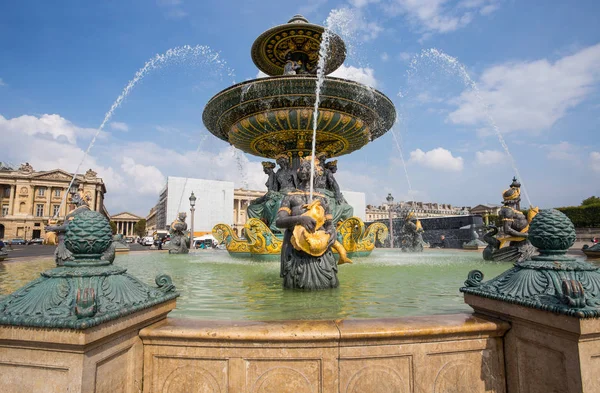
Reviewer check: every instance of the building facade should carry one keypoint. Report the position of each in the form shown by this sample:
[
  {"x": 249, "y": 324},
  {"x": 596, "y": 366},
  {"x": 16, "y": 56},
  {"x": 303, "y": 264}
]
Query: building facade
[
  {"x": 241, "y": 200},
  {"x": 29, "y": 198},
  {"x": 421, "y": 210},
  {"x": 486, "y": 209},
  {"x": 125, "y": 223}
]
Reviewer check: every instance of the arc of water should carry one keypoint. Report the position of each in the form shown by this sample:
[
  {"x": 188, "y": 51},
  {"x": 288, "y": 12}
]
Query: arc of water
[
  {"x": 457, "y": 66},
  {"x": 320, "y": 79},
  {"x": 157, "y": 61}
]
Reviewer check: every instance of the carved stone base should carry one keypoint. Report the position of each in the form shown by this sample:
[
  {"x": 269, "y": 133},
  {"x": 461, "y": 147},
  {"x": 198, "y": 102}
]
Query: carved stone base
[
  {"x": 105, "y": 358},
  {"x": 546, "y": 352}
]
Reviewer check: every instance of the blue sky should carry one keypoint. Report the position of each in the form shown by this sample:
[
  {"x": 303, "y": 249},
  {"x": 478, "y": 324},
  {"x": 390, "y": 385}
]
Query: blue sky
[{"x": 536, "y": 63}]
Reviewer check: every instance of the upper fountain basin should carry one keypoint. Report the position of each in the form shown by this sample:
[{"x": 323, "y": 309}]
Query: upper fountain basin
[{"x": 269, "y": 116}]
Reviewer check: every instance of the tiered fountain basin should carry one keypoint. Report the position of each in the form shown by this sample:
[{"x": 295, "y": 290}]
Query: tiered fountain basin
[{"x": 268, "y": 116}]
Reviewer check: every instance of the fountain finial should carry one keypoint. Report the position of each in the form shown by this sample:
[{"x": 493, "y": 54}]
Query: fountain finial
[
  {"x": 298, "y": 41},
  {"x": 298, "y": 19}
]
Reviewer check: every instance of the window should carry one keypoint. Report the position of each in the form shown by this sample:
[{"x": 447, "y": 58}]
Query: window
[
  {"x": 39, "y": 210},
  {"x": 57, "y": 193},
  {"x": 7, "y": 192},
  {"x": 4, "y": 210},
  {"x": 55, "y": 210},
  {"x": 41, "y": 191}
]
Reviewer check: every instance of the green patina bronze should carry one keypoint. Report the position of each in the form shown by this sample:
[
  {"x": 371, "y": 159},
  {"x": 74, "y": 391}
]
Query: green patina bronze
[
  {"x": 88, "y": 290},
  {"x": 551, "y": 281}
]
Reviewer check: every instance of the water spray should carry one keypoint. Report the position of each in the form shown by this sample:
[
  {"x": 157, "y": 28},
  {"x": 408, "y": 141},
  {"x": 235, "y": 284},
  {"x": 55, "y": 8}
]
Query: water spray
[{"x": 179, "y": 53}]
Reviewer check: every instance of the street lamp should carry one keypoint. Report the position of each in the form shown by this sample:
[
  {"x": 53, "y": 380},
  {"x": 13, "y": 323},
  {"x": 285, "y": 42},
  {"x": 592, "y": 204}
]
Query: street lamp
[
  {"x": 192, "y": 209},
  {"x": 389, "y": 200}
]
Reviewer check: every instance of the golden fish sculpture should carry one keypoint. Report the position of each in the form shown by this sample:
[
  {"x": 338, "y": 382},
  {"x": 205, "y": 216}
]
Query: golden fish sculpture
[{"x": 315, "y": 243}]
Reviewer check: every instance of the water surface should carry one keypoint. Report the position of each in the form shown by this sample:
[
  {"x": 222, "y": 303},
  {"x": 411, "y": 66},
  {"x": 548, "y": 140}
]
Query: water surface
[{"x": 213, "y": 285}]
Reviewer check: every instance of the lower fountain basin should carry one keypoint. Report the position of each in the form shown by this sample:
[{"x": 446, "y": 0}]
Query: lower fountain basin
[{"x": 215, "y": 286}]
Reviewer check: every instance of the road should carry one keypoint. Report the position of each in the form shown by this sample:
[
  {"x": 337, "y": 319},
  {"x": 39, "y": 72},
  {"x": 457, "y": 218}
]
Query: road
[{"x": 37, "y": 251}]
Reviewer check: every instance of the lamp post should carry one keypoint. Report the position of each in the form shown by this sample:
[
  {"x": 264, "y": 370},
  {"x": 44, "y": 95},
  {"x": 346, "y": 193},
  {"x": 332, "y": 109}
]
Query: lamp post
[
  {"x": 192, "y": 210},
  {"x": 389, "y": 200}
]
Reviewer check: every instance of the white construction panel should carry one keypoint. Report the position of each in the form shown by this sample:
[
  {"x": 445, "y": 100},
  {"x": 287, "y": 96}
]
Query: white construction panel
[
  {"x": 358, "y": 202},
  {"x": 214, "y": 201}
]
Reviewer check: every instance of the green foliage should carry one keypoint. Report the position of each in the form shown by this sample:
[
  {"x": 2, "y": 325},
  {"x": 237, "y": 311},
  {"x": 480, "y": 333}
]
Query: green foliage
[
  {"x": 495, "y": 220},
  {"x": 113, "y": 227},
  {"x": 140, "y": 228},
  {"x": 583, "y": 216},
  {"x": 593, "y": 200}
]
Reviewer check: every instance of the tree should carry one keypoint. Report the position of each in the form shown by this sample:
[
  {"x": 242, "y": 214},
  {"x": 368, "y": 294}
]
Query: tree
[
  {"x": 140, "y": 228},
  {"x": 593, "y": 200},
  {"x": 113, "y": 227}
]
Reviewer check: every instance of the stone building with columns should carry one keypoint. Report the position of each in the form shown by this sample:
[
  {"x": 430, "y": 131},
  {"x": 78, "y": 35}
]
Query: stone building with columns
[
  {"x": 29, "y": 198},
  {"x": 125, "y": 223},
  {"x": 241, "y": 200}
]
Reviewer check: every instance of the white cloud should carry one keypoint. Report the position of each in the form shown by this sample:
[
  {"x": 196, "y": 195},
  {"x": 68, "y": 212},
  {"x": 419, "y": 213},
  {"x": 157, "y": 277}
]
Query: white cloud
[
  {"x": 440, "y": 16},
  {"x": 362, "y": 3},
  {"x": 438, "y": 158},
  {"x": 595, "y": 161},
  {"x": 147, "y": 179},
  {"x": 362, "y": 75},
  {"x": 384, "y": 56},
  {"x": 2, "y": 83},
  {"x": 119, "y": 126},
  {"x": 490, "y": 157},
  {"x": 530, "y": 96},
  {"x": 563, "y": 151},
  {"x": 405, "y": 56},
  {"x": 172, "y": 8},
  {"x": 53, "y": 126}
]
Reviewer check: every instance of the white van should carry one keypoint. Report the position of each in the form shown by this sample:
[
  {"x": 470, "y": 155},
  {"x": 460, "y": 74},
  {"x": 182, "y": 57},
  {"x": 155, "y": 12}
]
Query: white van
[{"x": 147, "y": 241}]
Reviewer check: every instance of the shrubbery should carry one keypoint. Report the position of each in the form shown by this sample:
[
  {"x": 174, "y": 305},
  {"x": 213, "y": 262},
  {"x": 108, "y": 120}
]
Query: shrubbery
[{"x": 583, "y": 216}]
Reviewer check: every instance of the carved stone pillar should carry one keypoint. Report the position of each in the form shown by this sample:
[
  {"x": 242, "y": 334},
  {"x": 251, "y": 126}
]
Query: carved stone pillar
[{"x": 11, "y": 200}]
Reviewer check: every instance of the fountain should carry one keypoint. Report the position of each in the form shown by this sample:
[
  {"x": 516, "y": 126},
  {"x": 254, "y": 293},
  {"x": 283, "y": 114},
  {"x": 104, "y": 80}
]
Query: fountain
[
  {"x": 89, "y": 325},
  {"x": 275, "y": 117}
]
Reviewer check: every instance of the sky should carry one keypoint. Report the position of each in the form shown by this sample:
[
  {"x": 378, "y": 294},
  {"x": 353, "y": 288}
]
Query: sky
[{"x": 459, "y": 72}]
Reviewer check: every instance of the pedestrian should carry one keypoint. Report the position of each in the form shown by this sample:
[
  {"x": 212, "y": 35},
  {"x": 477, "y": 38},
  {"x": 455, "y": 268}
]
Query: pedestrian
[{"x": 160, "y": 244}]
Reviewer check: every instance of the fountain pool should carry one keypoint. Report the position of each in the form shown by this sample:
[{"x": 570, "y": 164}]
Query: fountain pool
[{"x": 386, "y": 284}]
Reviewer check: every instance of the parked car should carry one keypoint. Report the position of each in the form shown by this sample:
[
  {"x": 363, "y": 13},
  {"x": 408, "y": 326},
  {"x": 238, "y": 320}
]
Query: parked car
[
  {"x": 17, "y": 242},
  {"x": 147, "y": 241},
  {"x": 129, "y": 239},
  {"x": 37, "y": 240}
]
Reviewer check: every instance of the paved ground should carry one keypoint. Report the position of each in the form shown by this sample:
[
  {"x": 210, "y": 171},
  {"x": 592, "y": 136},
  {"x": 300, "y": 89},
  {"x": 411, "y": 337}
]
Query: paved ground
[{"x": 37, "y": 251}]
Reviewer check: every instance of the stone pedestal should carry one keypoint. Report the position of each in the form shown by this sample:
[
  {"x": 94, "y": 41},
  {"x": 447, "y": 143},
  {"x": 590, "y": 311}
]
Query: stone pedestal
[
  {"x": 103, "y": 359},
  {"x": 458, "y": 353},
  {"x": 546, "y": 352}
]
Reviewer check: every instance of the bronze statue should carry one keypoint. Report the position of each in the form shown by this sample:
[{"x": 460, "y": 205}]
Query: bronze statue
[
  {"x": 179, "y": 240},
  {"x": 343, "y": 210},
  {"x": 307, "y": 261},
  {"x": 285, "y": 176},
  {"x": 514, "y": 245},
  {"x": 412, "y": 234},
  {"x": 61, "y": 253},
  {"x": 278, "y": 185}
]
